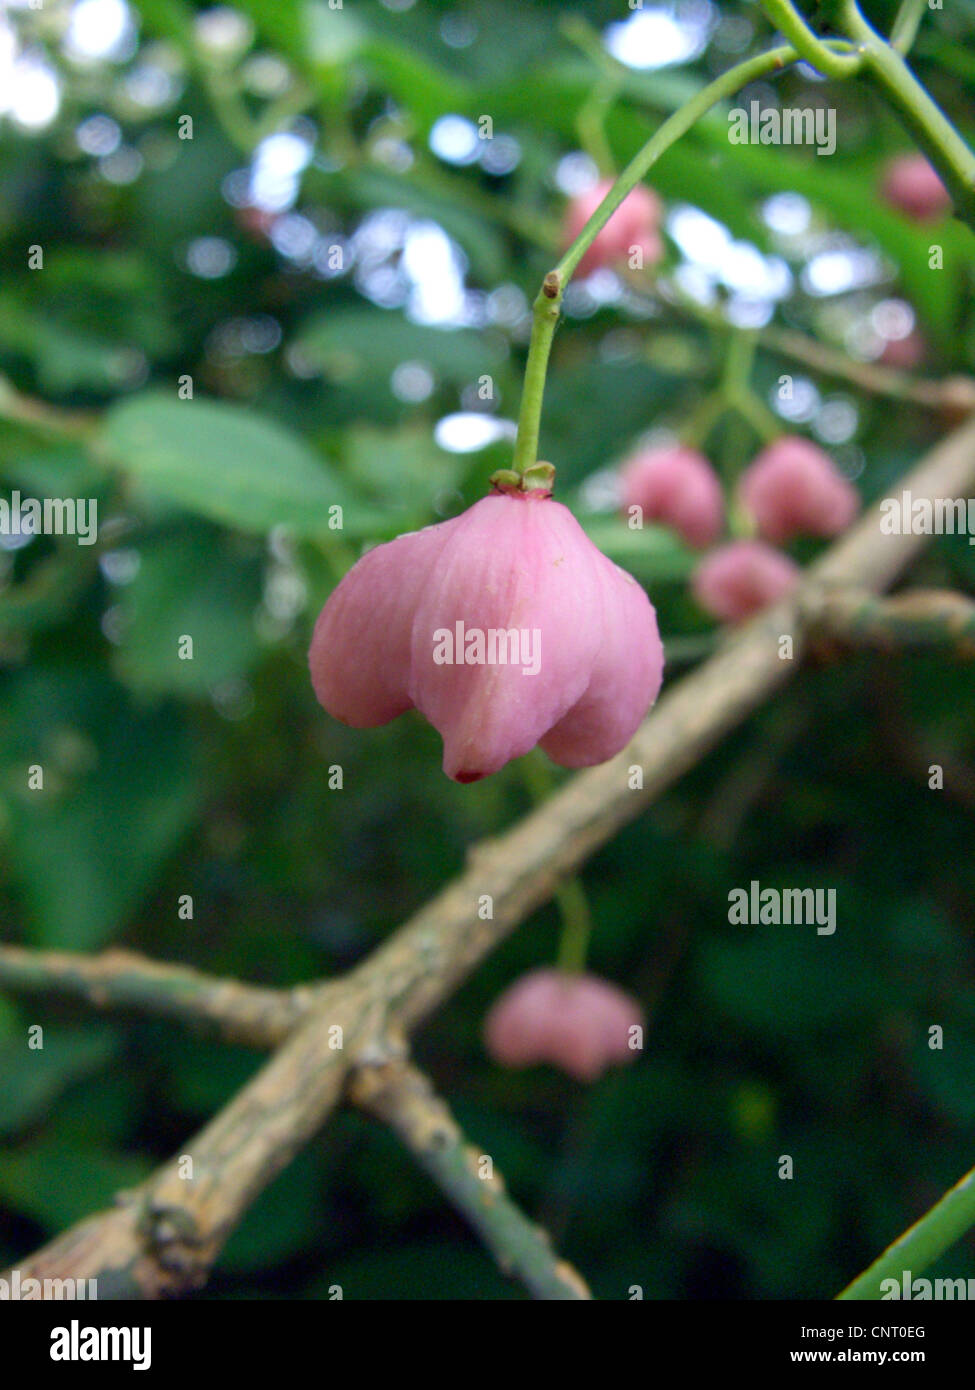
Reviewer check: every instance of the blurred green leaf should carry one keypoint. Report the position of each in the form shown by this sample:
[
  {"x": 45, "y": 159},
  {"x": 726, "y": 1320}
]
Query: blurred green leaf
[
  {"x": 58, "y": 1185},
  {"x": 188, "y": 584},
  {"x": 222, "y": 461},
  {"x": 32, "y": 1078}
]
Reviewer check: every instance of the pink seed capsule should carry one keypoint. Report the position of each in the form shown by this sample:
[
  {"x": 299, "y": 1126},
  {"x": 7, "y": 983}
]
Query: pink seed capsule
[
  {"x": 505, "y": 627},
  {"x": 793, "y": 488},
  {"x": 904, "y": 353},
  {"x": 742, "y": 578},
  {"x": 634, "y": 226},
  {"x": 579, "y": 1023},
  {"x": 677, "y": 486},
  {"x": 912, "y": 186}
]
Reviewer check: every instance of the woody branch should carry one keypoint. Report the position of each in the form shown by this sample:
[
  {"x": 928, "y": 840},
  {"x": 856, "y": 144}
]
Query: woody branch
[{"x": 164, "y": 1237}]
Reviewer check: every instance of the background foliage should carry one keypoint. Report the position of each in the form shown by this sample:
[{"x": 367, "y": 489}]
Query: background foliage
[{"x": 210, "y": 777}]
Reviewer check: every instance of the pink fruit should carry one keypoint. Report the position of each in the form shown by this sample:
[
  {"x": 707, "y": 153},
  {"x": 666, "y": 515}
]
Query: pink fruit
[
  {"x": 793, "y": 488},
  {"x": 904, "y": 353},
  {"x": 635, "y": 225},
  {"x": 578, "y": 1023},
  {"x": 742, "y": 578},
  {"x": 912, "y": 185},
  {"x": 677, "y": 486},
  {"x": 505, "y": 627}
]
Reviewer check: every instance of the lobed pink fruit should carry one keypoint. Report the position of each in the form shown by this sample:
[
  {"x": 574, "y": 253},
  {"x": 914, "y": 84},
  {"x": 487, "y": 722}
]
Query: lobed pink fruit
[
  {"x": 913, "y": 186},
  {"x": 515, "y": 563},
  {"x": 578, "y": 1023},
  {"x": 678, "y": 487},
  {"x": 741, "y": 578},
  {"x": 634, "y": 225},
  {"x": 793, "y": 488}
]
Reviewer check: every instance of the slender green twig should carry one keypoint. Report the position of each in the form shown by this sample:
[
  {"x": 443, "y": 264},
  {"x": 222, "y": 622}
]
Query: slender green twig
[
  {"x": 952, "y": 158},
  {"x": 402, "y": 1097},
  {"x": 814, "y": 49},
  {"x": 736, "y": 387},
  {"x": 576, "y": 926},
  {"x": 669, "y": 132},
  {"x": 906, "y": 24},
  {"x": 548, "y": 304},
  {"x": 570, "y": 896},
  {"x": 922, "y": 1243},
  {"x": 545, "y": 316}
]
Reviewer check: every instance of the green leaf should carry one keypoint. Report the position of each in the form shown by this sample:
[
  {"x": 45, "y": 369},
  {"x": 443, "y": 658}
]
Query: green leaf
[
  {"x": 58, "y": 1184},
  {"x": 187, "y": 586},
  {"x": 372, "y": 342},
  {"x": 780, "y": 981},
  {"x": 32, "y": 1078},
  {"x": 403, "y": 467},
  {"x": 120, "y": 789},
  {"x": 946, "y": 1074},
  {"x": 221, "y": 461}
]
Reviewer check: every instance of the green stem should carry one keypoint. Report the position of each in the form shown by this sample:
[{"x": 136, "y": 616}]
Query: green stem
[
  {"x": 591, "y": 125},
  {"x": 548, "y": 304},
  {"x": 906, "y": 25},
  {"x": 703, "y": 419},
  {"x": 536, "y": 774},
  {"x": 815, "y": 51},
  {"x": 922, "y": 1243},
  {"x": 947, "y": 151},
  {"x": 670, "y": 131},
  {"x": 757, "y": 413},
  {"x": 738, "y": 364},
  {"x": 736, "y": 387},
  {"x": 576, "y": 926},
  {"x": 545, "y": 316}
]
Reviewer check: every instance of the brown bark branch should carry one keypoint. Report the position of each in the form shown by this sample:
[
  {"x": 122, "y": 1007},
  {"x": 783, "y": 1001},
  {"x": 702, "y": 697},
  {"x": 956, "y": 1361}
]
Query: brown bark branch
[
  {"x": 931, "y": 619},
  {"x": 167, "y": 1234},
  {"x": 400, "y": 1096},
  {"x": 124, "y": 980}
]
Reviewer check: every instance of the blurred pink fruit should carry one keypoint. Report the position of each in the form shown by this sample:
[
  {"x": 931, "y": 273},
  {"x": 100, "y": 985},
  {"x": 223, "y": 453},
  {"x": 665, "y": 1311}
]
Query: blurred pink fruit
[
  {"x": 678, "y": 487},
  {"x": 742, "y": 578},
  {"x": 904, "y": 353},
  {"x": 912, "y": 185},
  {"x": 635, "y": 225},
  {"x": 793, "y": 488},
  {"x": 505, "y": 627},
  {"x": 578, "y": 1023}
]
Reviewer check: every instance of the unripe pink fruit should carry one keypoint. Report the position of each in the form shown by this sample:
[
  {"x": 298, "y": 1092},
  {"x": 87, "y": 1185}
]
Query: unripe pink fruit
[
  {"x": 505, "y": 627},
  {"x": 904, "y": 353},
  {"x": 578, "y": 1023},
  {"x": 912, "y": 185},
  {"x": 635, "y": 225},
  {"x": 793, "y": 488},
  {"x": 742, "y": 578},
  {"x": 677, "y": 486}
]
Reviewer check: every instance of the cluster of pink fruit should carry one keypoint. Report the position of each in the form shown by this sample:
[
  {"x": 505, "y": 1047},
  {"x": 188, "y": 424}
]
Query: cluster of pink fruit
[
  {"x": 518, "y": 560},
  {"x": 793, "y": 488}
]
